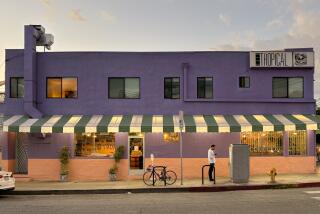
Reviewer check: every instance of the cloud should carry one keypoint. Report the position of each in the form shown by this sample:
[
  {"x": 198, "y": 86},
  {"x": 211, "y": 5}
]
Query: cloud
[
  {"x": 304, "y": 31},
  {"x": 241, "y": 41},
  {"x": 108, "y": 17},
  {"x": 45, "y": 2},
  {"x": 225, "y": 19},
  {"x": 75, "y": 15},
  {"x": 274, "y": 23}
]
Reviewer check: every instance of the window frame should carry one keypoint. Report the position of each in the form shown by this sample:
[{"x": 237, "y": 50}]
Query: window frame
[
  {"x": 287, "y": 79},
  {"x": 16, "y": 78},
  {"x": 244, "y": 81},
  {"x": 306, "y": 144},
  {"x": 262, "y": 136},
  {"x": 208, "y": 98},
  {"x": 124, "y": 98},
  {"x": 74, "y": 150},
  {"x": 171, "y": 87},
  {"x": 74, "y": 77}
]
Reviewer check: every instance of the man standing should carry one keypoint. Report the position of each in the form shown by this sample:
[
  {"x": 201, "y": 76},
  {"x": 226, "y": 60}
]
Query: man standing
[{"x": 212, "y": 160}]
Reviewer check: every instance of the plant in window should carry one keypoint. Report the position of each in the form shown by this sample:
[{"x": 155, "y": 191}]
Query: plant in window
[
  {"x": 118, "y": 154},
  {"x": 64, "y": 156}
]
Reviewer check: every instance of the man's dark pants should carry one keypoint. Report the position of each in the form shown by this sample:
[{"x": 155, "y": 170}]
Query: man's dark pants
[{"x": 210, "y": 171}]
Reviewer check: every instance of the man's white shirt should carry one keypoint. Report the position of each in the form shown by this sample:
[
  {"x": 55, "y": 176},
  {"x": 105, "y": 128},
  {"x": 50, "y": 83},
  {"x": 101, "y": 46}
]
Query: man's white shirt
[{"x": 211, "y": 156}]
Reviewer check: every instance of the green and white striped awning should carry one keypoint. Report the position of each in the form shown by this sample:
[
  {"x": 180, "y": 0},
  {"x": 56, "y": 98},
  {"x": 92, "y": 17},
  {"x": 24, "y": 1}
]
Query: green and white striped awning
[{"x": 160, "y": 123}]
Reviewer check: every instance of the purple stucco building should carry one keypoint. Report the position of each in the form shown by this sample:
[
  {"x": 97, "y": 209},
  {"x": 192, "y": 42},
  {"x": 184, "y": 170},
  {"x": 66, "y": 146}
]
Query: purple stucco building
[{"x": 93, "y": 102}]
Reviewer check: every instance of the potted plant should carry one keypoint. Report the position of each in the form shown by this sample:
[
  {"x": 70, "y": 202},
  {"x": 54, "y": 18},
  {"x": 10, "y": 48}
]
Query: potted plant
[
  {"x": 113, "y": 173},
  {"x": 64, "y": 161},
  {"x": 118, "y": 154}
]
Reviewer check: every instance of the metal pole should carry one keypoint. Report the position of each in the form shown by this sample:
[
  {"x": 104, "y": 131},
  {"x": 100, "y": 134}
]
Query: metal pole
[
  {"x": 181, "y": 123},
  {"x": 181, "y": 166}
]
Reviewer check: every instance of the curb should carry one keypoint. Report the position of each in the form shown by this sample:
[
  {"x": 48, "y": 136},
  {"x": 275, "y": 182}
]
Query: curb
[{"x": 162, "y": 189}]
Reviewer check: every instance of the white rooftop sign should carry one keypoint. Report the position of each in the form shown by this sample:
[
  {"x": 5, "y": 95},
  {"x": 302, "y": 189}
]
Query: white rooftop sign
[{"x": 275, "y": 59}]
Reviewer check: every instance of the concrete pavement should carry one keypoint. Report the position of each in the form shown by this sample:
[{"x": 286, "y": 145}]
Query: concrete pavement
[
  {"x": 288, "y": 201},
  {"x": 222, "y": 184}
]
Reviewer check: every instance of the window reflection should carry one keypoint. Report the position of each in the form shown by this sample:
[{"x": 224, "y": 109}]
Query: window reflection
[
  {"x": 16, "y": 87},
  {"x": 297, "y": 143},
  {"x": 124, "y": 88},
  {"x": 54, "y": 88},
  {"x": 95, "y": 144},
  {"x": 205, "y": 87},
  {"x": 69, "y": 88},
  {"x": 58, "y": 87},
  {"x": 263, "y": 143}
]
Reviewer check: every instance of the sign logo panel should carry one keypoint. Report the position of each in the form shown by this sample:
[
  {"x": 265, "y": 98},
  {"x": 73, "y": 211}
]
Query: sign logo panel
[{"x": 276, "y": 59}]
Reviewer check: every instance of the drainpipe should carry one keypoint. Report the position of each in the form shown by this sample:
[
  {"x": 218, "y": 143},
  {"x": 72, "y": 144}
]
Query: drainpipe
[
  {"x": 185, "y": 68},
  {"x": 31, "y": 35}
]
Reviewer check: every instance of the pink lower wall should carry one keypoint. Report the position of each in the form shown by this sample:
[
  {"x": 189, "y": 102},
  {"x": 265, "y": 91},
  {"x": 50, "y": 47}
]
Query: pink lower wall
[
  {"x": 285, "y": 165},
  {"x": 79, "y": 169},
  {"x": 258, "y": 165},
  {"x": 1, "y": 160},
  {"x": 97, "y": 169},
  {"x": 44, "y": 169},
  {"x": 8, "y": 165}
]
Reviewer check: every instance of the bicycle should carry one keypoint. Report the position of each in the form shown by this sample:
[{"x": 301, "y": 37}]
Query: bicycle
[{"x": 156, "y": 174}]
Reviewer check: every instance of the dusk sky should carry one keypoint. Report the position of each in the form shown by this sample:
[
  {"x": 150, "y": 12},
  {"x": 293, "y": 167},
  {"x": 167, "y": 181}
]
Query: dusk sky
[{"x": 165, "y": 25}]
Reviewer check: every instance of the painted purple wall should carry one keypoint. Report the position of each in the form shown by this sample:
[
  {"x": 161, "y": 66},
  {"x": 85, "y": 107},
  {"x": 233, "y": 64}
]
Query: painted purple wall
[
  {"x": 94, "y": 68},
  {"x": 48, "y": 147},
  {"x": 311, "y": 140},
  {"x": 122, "y": 140},
  {"x": 194, "y": 145},
  {"x": 14, "y": 68}
]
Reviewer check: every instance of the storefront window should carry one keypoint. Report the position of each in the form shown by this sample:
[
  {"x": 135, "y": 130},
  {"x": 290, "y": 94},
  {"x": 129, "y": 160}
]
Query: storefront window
[
  {"x": 297, "y": 143},
  {"x": 95, "y": 144},
  {"x": 263, "y": 143},
  {"x": 171, "y": 137}
]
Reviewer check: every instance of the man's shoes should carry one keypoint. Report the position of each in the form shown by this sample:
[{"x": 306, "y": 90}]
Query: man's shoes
[{"x": 211, "y": 180}]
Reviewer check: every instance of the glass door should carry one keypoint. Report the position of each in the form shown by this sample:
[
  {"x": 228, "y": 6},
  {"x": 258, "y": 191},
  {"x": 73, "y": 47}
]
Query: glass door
[{"x": 136, "y": 154}]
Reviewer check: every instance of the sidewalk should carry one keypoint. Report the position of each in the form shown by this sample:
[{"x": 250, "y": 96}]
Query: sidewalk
[{"x": 137, "y": 186}]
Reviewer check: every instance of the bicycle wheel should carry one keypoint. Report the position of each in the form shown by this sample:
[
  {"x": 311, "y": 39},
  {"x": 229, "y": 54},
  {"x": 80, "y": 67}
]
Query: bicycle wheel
[
  {"x": 148, "y": 178},
  {"x": 171, "y": 177}
]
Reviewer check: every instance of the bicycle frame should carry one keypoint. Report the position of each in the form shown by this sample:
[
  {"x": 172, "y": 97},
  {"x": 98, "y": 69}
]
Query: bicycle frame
[{"x": 161, "y": 176}]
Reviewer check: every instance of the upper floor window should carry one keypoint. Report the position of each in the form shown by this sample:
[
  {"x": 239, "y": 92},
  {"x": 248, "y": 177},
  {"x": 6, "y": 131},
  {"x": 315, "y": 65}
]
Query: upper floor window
[
  {"x": 172, "y": 88},
  {"x": 124, "y": 87},
  {"x": 287, "y": 87},
  {"x": 62, "y": 87},
  {"x": 205, "y": 87},
  {"x": 16, "y": 87},
  {"x": 244, "y": 82}
]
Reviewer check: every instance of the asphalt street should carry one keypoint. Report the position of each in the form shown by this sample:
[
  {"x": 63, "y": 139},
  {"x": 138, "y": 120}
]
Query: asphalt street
[{"x": 262, "y": 201}]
